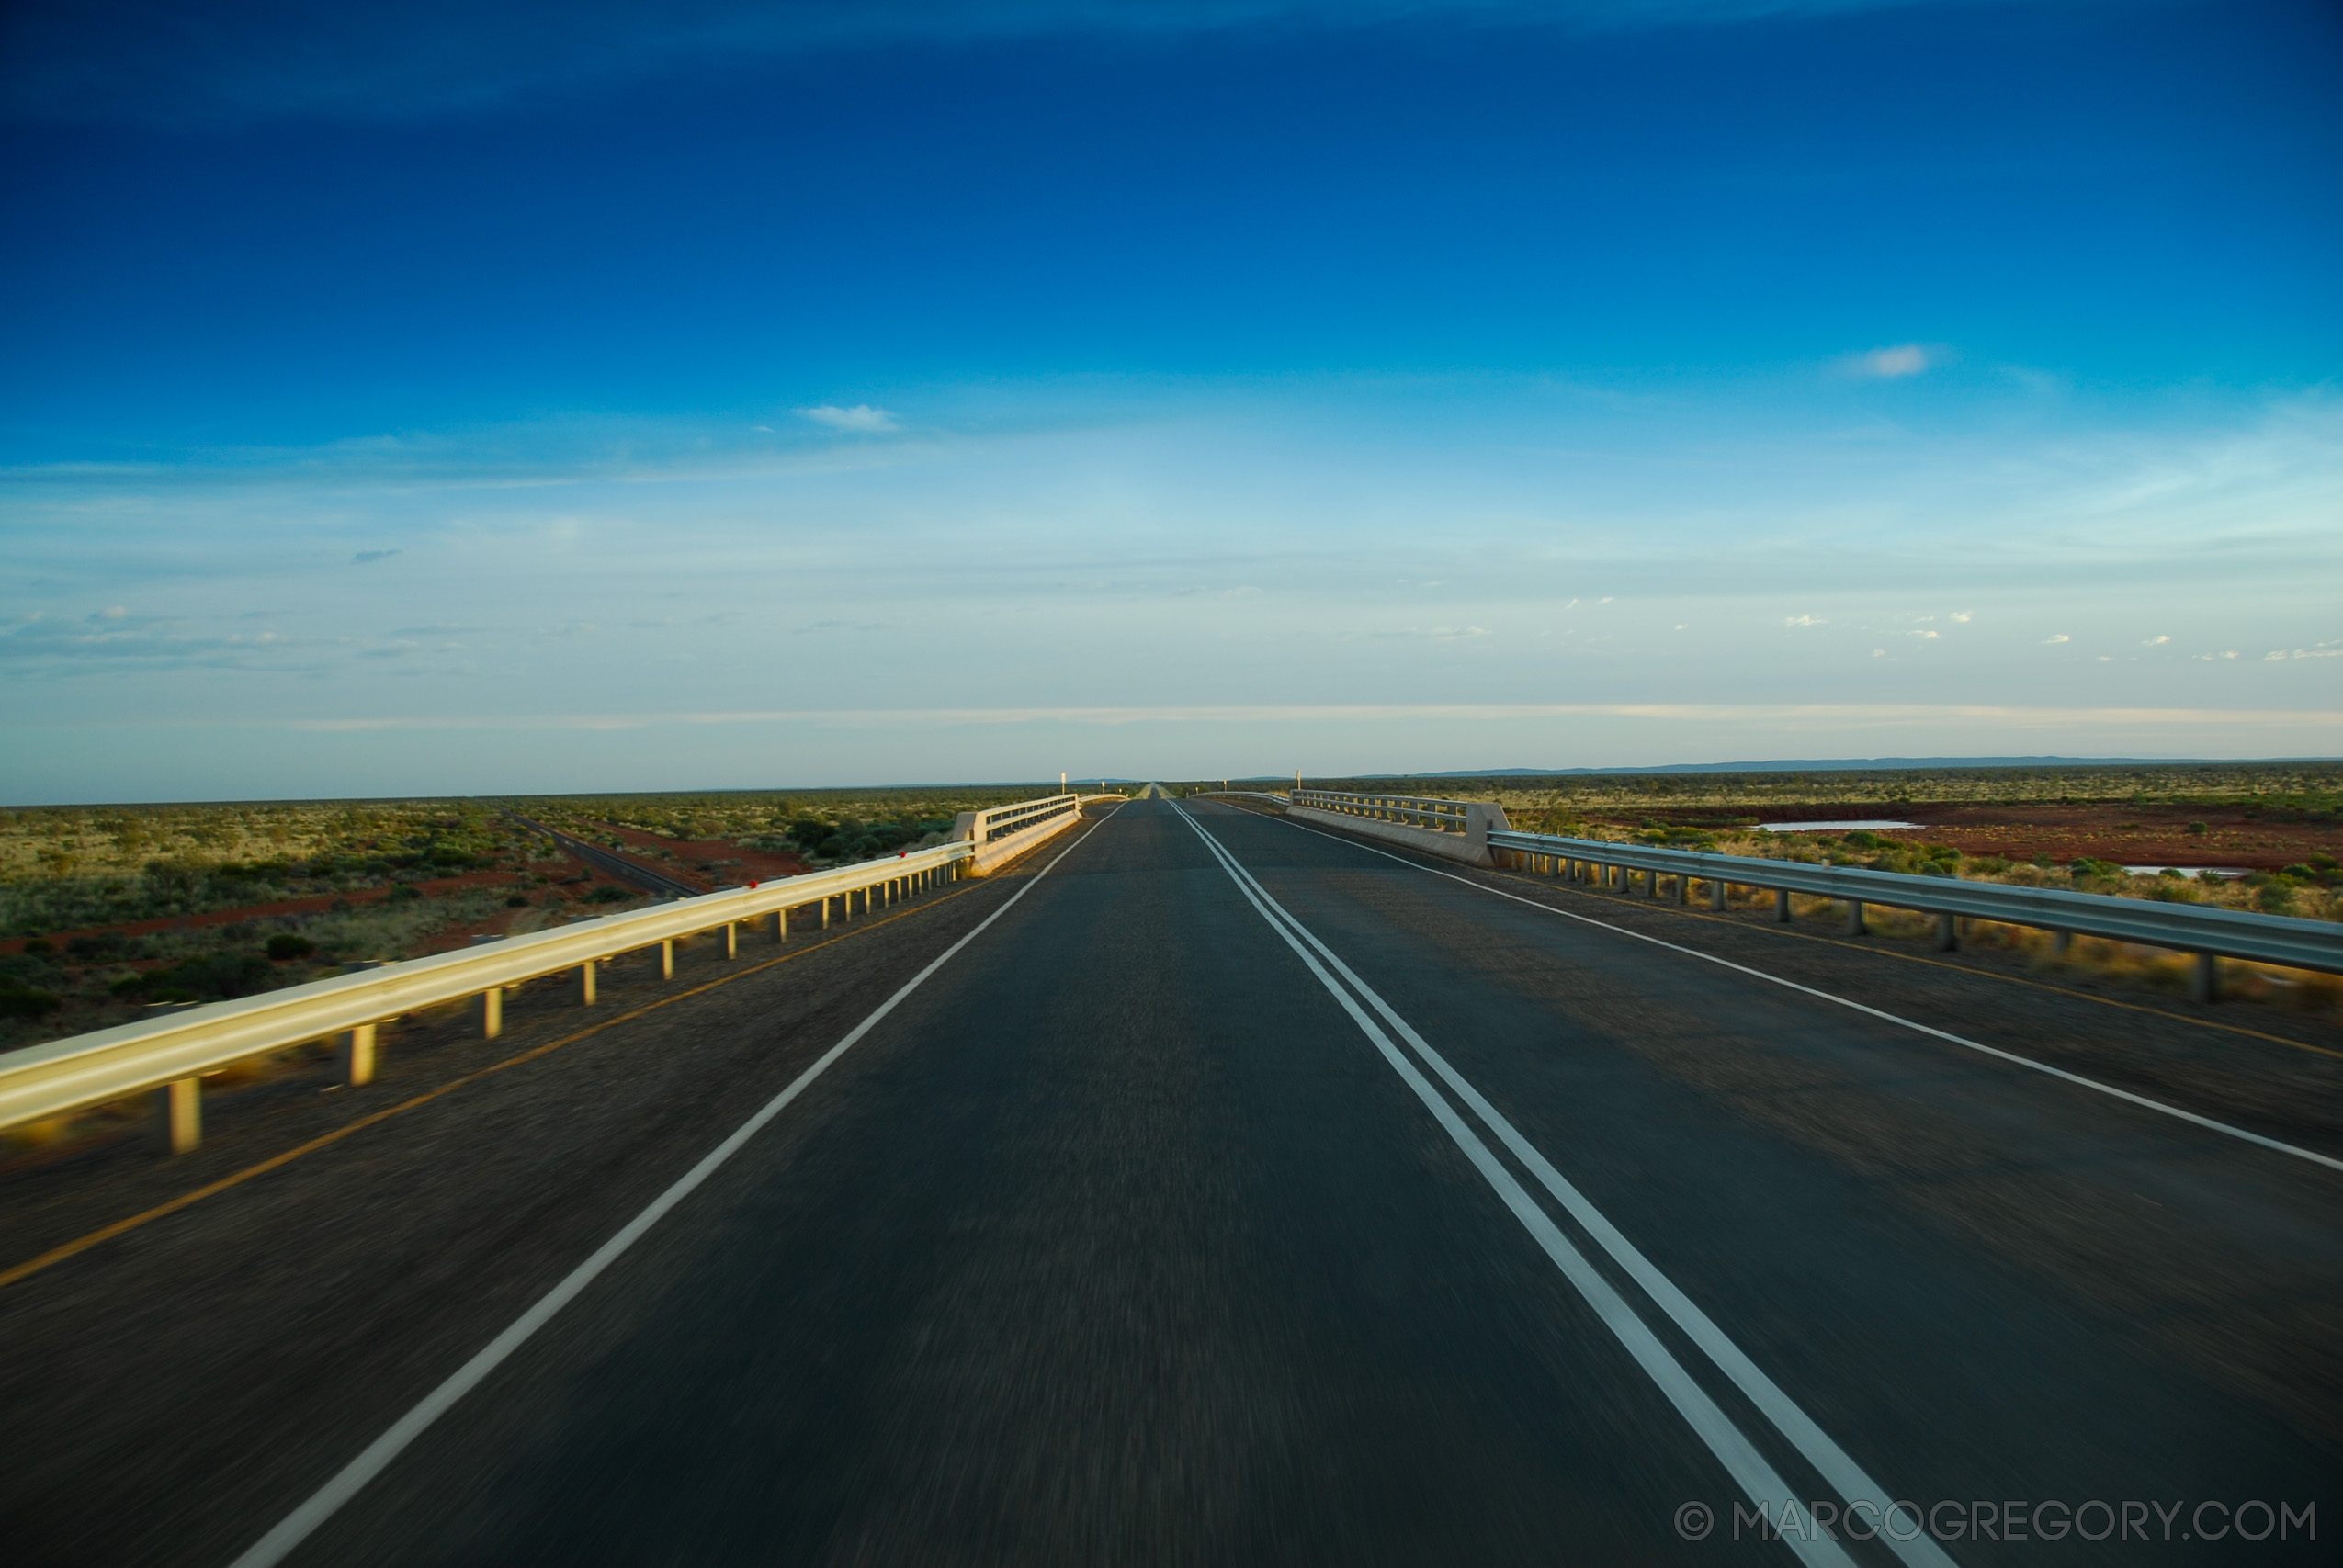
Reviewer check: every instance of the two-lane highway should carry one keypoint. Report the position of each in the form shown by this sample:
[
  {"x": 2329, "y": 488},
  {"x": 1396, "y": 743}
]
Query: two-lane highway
[{"x": 1235, "y": 1192}]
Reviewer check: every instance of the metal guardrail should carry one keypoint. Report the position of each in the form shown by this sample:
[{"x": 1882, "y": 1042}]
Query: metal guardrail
[
  {"x": 1414, "y": 810},
  {"x": 2185, "y": 928},
  {"x": 175, "y": 1050},
  {"x": 1005, "y": 821}
]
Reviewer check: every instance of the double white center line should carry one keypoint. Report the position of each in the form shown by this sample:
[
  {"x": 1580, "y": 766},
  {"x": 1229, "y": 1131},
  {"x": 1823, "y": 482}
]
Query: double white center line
[{"x": 1749, "y": 1468}]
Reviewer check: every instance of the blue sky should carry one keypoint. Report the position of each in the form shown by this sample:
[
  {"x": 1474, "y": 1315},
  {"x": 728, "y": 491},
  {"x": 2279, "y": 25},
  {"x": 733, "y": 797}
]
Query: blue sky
[{"x": 447, "y": 398}]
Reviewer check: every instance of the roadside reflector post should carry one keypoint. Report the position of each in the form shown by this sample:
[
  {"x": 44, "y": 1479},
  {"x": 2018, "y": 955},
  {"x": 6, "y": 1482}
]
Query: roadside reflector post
[
  {"x": 492, "y": 1012},
  {"x": 2204, "y": 980},
  {"x": 183, "y": 1114},
  {"x": 585, "y": 984},
  {"x": 1948, "y": 933},
  {"x": 1782, "y": 905},
  {"x": 667, "y": 959},
  {"x": 357, "y": 1055},
  {"x": 1854, "y": 917}
]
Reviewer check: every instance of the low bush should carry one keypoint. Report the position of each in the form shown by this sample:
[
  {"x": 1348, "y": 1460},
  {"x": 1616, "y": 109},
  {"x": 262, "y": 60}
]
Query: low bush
[
  {"x": 284, "y": 947},
  {"x": 216, "y": 978},
  {"x": 611, "y": 893}
]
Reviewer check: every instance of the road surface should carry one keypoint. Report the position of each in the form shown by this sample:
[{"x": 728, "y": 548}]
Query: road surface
[{"x": 1214, "y": 1190}]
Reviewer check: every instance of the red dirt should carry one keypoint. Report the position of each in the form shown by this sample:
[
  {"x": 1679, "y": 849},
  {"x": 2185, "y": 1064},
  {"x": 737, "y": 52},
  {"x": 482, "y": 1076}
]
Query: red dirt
[
  {"x": 318, "y": 904},
  {"x": 693, "y": 857}
]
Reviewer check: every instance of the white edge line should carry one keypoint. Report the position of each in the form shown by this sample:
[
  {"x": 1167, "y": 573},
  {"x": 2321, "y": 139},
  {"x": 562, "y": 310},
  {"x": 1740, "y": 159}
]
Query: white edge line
[
  {"x": 1816, "y": 1446},
  {"x": 377, "y": 1456},
  {"x": 2011, "y": 1056},
  {"x": 1732, "y": 1447}
]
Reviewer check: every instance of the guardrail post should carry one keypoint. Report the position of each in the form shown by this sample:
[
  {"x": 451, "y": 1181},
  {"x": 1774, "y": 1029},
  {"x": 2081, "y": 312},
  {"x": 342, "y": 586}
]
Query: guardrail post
[
  {"x": 585, "y": 982},
  {"x": 667, "y": 959},
  {"x": 780, "y": 925},
  {"x": 2205, "y": 978},
  {"x": 1854, "y": 917},
  {"x": 1948, "y": 933},
  {"x": 2060, "y": 942},
  {"x": 492, "y": 1012},
  {"x": 825, "y": 914},
  {"x": 357, "y": 1055},
  {"x": 731, "y": 939},
  {"x": 1683, "y": 888},
  {"x": 183, "y": 1114},
  {"x": 1716, "y": 896},
  {"x": 1782, "y": 905}
]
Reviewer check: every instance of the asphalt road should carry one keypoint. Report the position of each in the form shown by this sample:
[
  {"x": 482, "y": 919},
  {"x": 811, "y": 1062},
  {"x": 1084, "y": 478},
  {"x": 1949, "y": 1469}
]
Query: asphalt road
[{"x": 1232, "y": 1191}]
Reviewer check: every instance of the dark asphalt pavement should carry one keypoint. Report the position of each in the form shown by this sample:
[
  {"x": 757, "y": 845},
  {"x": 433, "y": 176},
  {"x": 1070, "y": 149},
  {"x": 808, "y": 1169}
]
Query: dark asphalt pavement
[{"x": 1133, "y": 1235}]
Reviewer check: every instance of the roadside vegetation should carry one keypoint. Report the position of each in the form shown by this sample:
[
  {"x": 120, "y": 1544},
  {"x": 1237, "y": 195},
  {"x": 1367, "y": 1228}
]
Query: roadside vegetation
[
  {"x": 110, "y": 913},
  {"x": 2259, "y": 836}
]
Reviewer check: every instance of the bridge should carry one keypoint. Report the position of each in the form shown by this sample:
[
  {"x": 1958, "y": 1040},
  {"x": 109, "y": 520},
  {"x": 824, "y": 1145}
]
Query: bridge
[{"x": 1233, "y": 1178}]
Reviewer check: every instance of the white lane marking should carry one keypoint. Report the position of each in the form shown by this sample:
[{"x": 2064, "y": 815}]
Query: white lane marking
[
  {"x": 1837, "y": 1466},
  {"x": 2141, "y": 1100},
  {"x": 1733, "y": 1450},
  {"x": 326, "y": 1500}
]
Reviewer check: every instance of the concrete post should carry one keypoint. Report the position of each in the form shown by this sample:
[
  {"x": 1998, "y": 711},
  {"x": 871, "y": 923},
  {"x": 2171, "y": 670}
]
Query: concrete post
[
  {"x": 587, "y": 977},
  {"x": 492, "y": 1012},
  {"x": 1782, "y": 905},
  {"x": 667, "y": 960},
  {"x": 2204, "y": 979},
  {"x": 183, "y": 1114},
  {"x": 1716, "y": 896},
  {"x": 731, "y": 939},
  {"x": 1948, "y": 933},
  {"x": 357, "y": 1055},
  {"x": 1854, "y": 917}
]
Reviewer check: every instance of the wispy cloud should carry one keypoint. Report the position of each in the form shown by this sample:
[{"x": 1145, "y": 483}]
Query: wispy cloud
[
  {"x": 862, "y": 418},
  {"x": 365, "y": 556},
  {"x": 1803, "y": 621},
  {"x": 1893, "y": 364},
  {"x": 2057, "y": 637}
]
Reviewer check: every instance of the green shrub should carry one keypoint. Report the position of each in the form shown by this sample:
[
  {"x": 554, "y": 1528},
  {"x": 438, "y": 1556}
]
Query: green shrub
[
  {"x": 518, "y": 901},
  {"x": 284, "y": 946},
  {"x": 217, "y": 977},
  {"x": 27, "y": 1003},
  {"x": 41, "y": 947},
  {"x": 404, "y": 893},
  {"x": 2198, "y": 829},
  {"x": 2276, "y": 897},
  {"x": 611, "y": 893},
  {"x": 96, "y": 948}
]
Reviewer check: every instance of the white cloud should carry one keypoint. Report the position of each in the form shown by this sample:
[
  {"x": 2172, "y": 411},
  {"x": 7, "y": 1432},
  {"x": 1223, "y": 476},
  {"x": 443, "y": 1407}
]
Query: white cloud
[
  {"x": 1927, "y": 636},
  {"x": 2057, "y": 637},
  {"x": 862, "y": 418},
  {"x": 1806, "y": 621},
  {"x": 1965, "y": 616},
  {"x": 2156, "y": 642},
  {"x": 1893, "y": 364}
]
